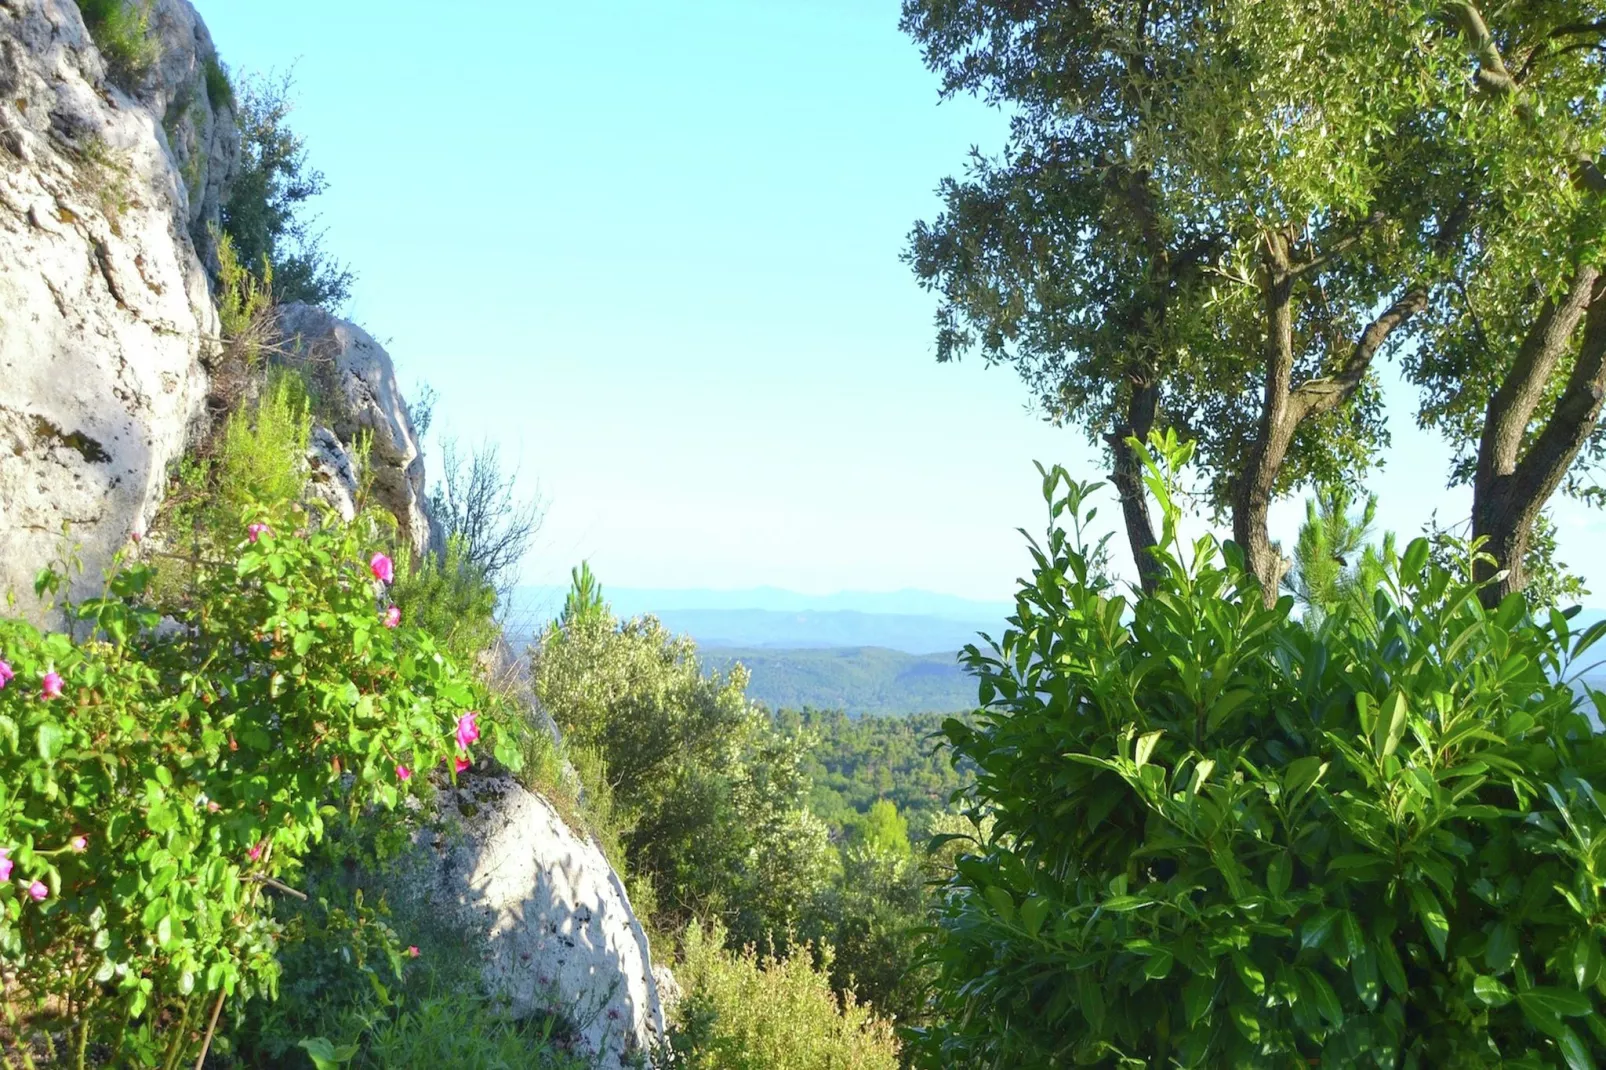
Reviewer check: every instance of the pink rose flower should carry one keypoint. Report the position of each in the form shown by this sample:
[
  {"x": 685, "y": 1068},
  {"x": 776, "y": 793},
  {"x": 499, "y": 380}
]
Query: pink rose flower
[
  {"x": 412, "y": 951},
  {"x": 392, "y": 616},
  {"x": 38, "y": 891},
  {"x": 136, "y": 536},
  {"x": 463, "y": 762},
  {"x": 79, "y": 843},
  {"x": 51, "y": 685},
  {"x": 382, "y": 568},
  {"x": 5, "y": 864},
  {"x": 6, "y": 674},
  {"x": 468, "y": 731},
  {"x": 403, "y": 773},
  {"x": 256, "y": 531},
  {"x": 256, "y": 851}
]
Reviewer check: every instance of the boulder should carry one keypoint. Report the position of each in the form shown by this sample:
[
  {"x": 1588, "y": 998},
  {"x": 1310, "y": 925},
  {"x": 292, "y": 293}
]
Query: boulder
[
  {"x": 354, "y": 383},
  {"x": 559, "y": 932},
  {"x": 106, "y": 317}
]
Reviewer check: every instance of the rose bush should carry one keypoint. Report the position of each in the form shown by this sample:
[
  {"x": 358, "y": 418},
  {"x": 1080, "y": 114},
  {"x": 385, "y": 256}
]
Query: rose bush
[{"x": 165, "y": 764}]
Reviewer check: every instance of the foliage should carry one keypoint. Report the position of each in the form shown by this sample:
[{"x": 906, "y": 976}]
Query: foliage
[
  {"x": 744, "y": 1012},
  {"x": 854, "y": 762},
  {"x": 1550, "y": 583},
  {"x": 474, "y": 503},
  {"x": 707, "y": 799},
  {"x": 450, "y": 598},
  {"x": 1224, "y": 839},
  {"x": 884, "y": 831},
  {"x": 219, "y": 87},
  {"x": 341, "y": 1001},
  {"x": 873, "y": 917},
  {"x": 859, "y": 680},
  {"x": 1218, "y": 216},
  {"x": 198, "y": 762},
  {"x": 263, "y": 213},
  {"x": 121, "y": 30},
  {"x": 1333, "y": 560}
]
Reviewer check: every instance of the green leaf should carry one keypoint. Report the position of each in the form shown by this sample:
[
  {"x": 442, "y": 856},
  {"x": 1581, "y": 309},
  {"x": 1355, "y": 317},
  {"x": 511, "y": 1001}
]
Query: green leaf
[
  {"x": 1491, "y": 991},
  {"x": 1145, "y": 747},
  {"x": 1314, "y": 932},
  {"x": 1325, "y": 998},
  {"x": 1002, "y": 902},
  {"x": 1501, "y": 951},
  {"x": 1388, "y": 960},
  {"x": 1586, "y": 962},
  {"x": 302, "y": 643},
  {"x": 325, "y": 1055},
  {"x": 1033, "y": 912},
  {"x": 276, "y": 592},
  {"x": 1430, "y": 913},
  {"x": 1279, "y": 874},
  {"x": 49, "y": 739},
  {"x": 1574, "y": 1051}
]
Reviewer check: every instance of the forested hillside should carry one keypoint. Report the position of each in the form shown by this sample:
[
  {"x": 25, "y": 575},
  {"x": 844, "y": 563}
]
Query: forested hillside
[{"x": 858, "y": 680}]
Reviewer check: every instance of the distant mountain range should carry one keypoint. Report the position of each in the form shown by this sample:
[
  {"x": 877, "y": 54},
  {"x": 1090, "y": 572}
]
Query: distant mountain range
[{"x": 913, "y": 622}]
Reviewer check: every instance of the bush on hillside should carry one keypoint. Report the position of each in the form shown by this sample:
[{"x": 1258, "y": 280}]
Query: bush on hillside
[
  {"x": 265, "y": 210},
  {"x": 121, "y": 30},
  {"x": 1225, "y": 839},
  {"x": 158, "y": 782},
  {"x": 705, "y": 797},
  {"x": 746, "y": 1012}
]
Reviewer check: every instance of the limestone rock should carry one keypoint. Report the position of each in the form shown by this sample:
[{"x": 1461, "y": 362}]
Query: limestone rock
[
  {"x": 357, "y": 394},
  {"x": 558, "y": 927},
  {"x": 105, "y": 314}
]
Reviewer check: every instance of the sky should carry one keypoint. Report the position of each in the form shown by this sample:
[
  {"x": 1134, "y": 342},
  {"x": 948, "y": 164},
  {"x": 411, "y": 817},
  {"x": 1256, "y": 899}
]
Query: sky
[{"x": 652, "y": 251}]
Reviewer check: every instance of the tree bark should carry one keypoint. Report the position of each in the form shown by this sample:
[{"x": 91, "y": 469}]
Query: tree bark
[
  {"x": 1284, "y": 407},
  {"x": 1127, "y": 475},
  {"x": 1512, "y": 485}
]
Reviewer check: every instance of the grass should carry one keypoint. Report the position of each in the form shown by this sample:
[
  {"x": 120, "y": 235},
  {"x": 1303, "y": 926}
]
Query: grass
[
  {"x": 219, "y": 90},
  {"x": 122, "y": 31}
]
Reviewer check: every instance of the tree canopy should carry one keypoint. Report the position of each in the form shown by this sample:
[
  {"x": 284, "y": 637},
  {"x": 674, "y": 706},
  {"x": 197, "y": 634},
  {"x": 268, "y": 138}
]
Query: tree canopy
[{"x": 1219, "y": 216}]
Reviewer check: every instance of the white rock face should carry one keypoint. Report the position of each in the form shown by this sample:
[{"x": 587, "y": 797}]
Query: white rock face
[
  {"x": 559, "y": 930},
  {"x": 105, "y": 315},
  {"x": 357, "y": 384}
]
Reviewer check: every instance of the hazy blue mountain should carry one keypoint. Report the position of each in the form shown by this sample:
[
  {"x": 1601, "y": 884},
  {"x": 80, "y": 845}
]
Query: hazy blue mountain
[
  {"x": 915, "y": 622},
  {"x": 860, "y": 680}
]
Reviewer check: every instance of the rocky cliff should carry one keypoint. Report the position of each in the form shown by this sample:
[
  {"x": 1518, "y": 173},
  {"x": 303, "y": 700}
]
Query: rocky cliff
[{"x": 110, "y": 198}]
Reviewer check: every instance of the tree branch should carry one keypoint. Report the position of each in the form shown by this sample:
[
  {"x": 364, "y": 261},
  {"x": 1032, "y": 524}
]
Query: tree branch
[
  {"x": 1512, "y": 405},
  {"x": 1576, "y": 413},
  {"x": 1492, "y": 76}
]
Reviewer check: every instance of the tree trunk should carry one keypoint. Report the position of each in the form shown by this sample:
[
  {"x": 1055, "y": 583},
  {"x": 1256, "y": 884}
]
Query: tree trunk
[
  {"x": 1258, "y": 477},
  {"x": 1512, "y": 485},
  {"x": 1127, "y": 475}
]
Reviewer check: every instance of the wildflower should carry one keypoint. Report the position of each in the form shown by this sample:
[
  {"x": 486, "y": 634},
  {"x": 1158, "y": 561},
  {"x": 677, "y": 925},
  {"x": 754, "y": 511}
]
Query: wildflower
[
  {"x": 5, "y": 674},
  {"x": 79, "y": 843},
  {"x": 51, "y": 685},
  {"x": 467, "y": 731},
  {"x": 392, "y": 616},
  {"x": 212, "y": 807},
  {"x": 256, "y": 851},
  {"x": 403, "y": 773},
  {"x": 5, "y": 864},
  {"x": 255, "y": 531},
  {"x": 136, "y": 536},
  {"x": 382, "y": 569},
  {"x": 412, "y": 951},
  {"x": 463, "y": 762},
  {"x": 38, "y": 891}
]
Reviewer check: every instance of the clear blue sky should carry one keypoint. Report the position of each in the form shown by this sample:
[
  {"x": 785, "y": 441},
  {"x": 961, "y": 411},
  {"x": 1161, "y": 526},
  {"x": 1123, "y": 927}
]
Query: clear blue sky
[{"x": 653, "y": 250}]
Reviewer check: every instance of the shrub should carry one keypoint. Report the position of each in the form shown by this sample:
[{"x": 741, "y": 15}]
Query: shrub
[
  {"x": 705, "y": 797},
  {"x": 219, "y": 88},
  {"x": 743, "y": 1012},
  {"x": 264, "y": 210},
  {"x": 1224, "y": 839},
  {"x": 121, "y": 29},
  {"x": 154, "y": 781}
]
